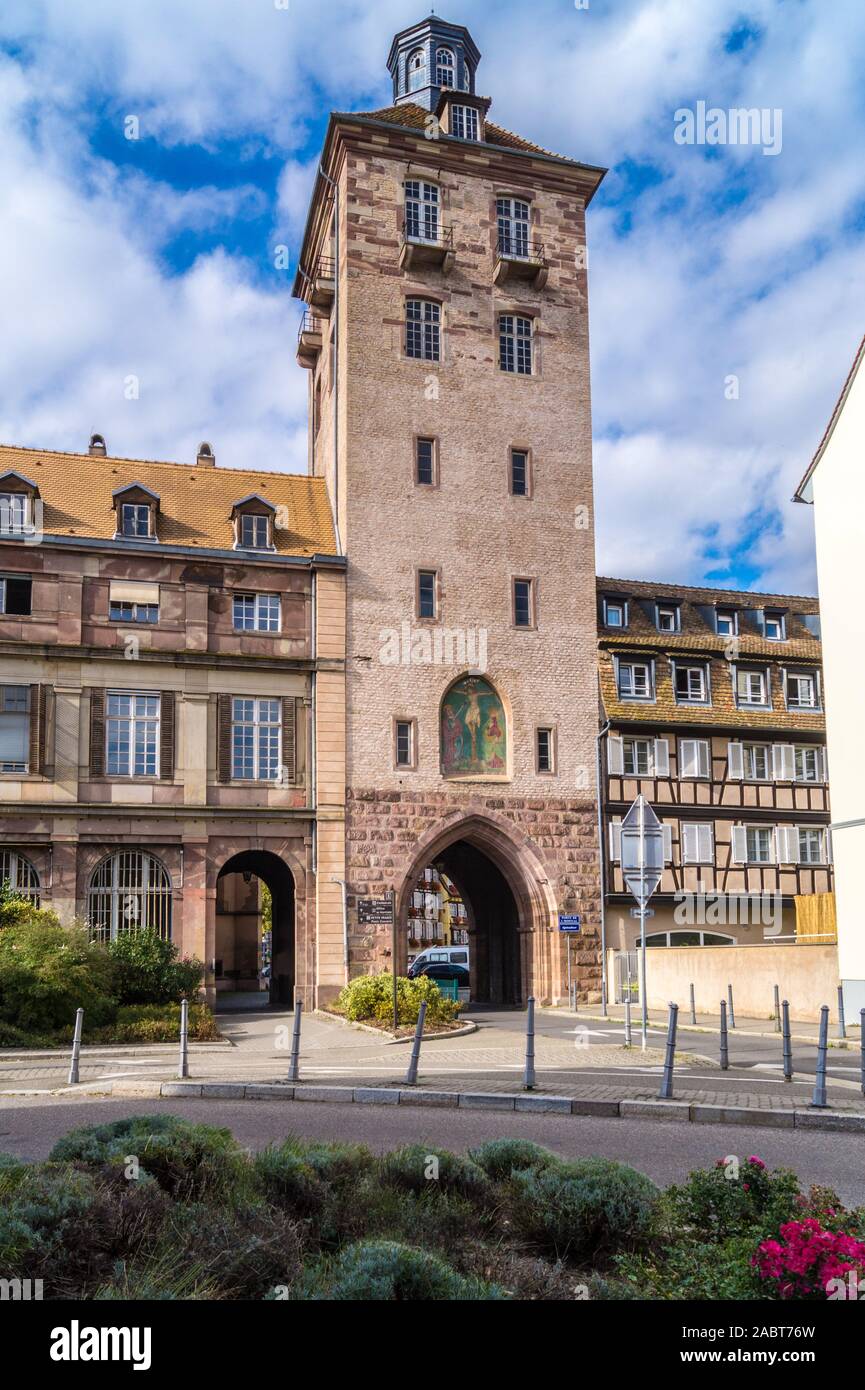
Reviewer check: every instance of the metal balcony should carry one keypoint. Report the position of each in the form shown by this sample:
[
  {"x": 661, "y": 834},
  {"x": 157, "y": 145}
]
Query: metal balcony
[
  {"x": 322, "y": 286},
  {"x": 436, "y": 251},
  {"x": 309, "y": 339},
  {"x": 521, "y": 260}
]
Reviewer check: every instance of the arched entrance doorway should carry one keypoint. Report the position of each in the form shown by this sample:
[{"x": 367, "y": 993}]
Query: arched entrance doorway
[
  {"x": 508, "y": 908},
  {"x": 255, "y": 942}
]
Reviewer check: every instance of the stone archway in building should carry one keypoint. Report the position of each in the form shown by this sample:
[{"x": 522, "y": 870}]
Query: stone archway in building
[
  {"x": 250, "y": 961},
  {"x": 510, "y": 907}
]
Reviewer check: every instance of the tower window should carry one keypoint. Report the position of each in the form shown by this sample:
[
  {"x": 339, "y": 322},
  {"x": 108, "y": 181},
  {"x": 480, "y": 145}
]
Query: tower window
[
  {"x": 421, "y": 211},
  {"x": 425, "y": 469},
  {"x": 415, "y": 67},
  {"x": 515, "y": 344},
  {"x": 520, "y": 472},
  {"x": 445, "y": 67},
  {"x": 464, "y": 123},
  {"x": 423, "y": 329},
  {"x": 545, "y": 759},
  {"x": 523, "y": 603},
  {"x": 426, "y": 593},
  {"x": 513, "y": 227},
  {"x": 404, "y": 743}
]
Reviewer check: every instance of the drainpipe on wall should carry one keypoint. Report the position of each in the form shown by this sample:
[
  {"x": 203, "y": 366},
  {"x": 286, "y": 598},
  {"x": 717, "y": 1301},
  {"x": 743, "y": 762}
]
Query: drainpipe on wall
[
  {"x": 331, "y": 183},
  {"x": 602, "y": 864},
  {"x": 344, "y": 886}
]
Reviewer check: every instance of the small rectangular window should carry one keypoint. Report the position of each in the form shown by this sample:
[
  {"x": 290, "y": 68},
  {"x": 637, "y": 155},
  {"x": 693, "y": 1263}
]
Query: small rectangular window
[
  {"x": 757, "y": 762},
  {"x": 404, "y": 743},
  {"x": 801, "y": 692},
  {"x": 14, "y": 728},
  {"x": 751, "y": 687},
  {"x": 758, "y": 839},
  {"x": 635, "y": 680},
  {"x": 124, "y": 611},
  {"x": 256, "y": 612},
  {"x": 254, "y": 531},
  {"x": 808, "y": 764},
  {"x": 519, "y": 473},
  {"x": 523, "y": 603},
  {"x": 637, "y": 756},
  {"x": 725, "y": 622},
  {"x": 515, "y": 344},
  {"x": 667, "y": 617},
  {"x": 545, "y": 750},
  {"x": 14, "y": 513},
  {"x": 690, "y": 684},
  {"x": 16, "y": 595},
  {"x": 135, "y": 519},
  {"x": 426, "y": 594},
  {"x": 773, "y": 626},
  {"x": 425, "y": 462},
  {"x": 423, "y": 329},
  {"x": 615, "y": 613},
  {"x": 811, "y": 845},
  {"x": 464, "y": 122}
]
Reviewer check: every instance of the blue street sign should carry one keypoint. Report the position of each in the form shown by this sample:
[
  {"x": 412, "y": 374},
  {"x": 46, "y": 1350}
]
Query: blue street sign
[{"x": 569, "y": 921}]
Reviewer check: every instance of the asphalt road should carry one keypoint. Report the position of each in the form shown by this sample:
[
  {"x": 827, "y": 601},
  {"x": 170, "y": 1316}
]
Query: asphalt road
[{"x": 664, "y": 1150}]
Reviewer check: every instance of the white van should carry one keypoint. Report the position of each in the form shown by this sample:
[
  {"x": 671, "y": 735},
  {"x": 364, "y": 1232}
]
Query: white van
[{"x": 439, "y": 955}]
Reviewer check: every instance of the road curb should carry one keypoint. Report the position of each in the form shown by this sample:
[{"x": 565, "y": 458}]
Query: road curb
[
  {"x": 839, "y": 1044},
  {"x": 662, "y": 1111},
  {"x": 388, "y": 1039}
]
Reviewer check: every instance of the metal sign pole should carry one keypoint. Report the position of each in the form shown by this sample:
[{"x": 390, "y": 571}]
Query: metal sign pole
[
  {"x": 393, "y": 959},
  {"x": 643, "y": 1006}
]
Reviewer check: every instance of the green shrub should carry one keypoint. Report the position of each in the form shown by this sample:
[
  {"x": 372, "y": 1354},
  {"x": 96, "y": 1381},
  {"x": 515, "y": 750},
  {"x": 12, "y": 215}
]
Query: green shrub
[
  {"x": 371, "y": 997},
  {"x": 152, "y": 1023},
  {"x": 288, "y": 1181},
  {"x": 147, "y": 970},
  {"x": 501, "y": 1157},
  {"x": 336, "y": 1164},
  {"x": 10, "y": 1036},
  {"x": 188, "y": 1161},
  {"x": 688, "y": 1270},
  {"x": 384, "y": 1270},
  {"x": 733, "y": 1198},
  {"x": 48, "y": 971},
  {"x": 422, "y": 1169},
  {"x": 240, "y": 1253},
  {"x": 584, "y": 1209}
]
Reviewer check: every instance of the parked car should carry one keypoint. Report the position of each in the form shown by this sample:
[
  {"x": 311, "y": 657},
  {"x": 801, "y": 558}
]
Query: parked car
[
  {"x": 439, "y": 955},
  {"x": 444, "y": 971}
]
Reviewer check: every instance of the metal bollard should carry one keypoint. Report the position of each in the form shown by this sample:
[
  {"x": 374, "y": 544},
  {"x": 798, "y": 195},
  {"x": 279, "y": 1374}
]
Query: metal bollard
[
  {"x": 862, "y": 1049},
  {"x": 818, "y": 1099},
  {"x": 183, "y": 1069},
  {"x": 730, "y": 1006},
  {"x": 787, "y": 1041},
  {"x": 666, "y": 1091},
  {"x": 777, "y": 1010},
  {"x": 693, "y": 1007},
  {"x": 76, "y": 1047},
  {"x": 725, "y": 1052},
  {"x": 411, "y": 1074},
  {"x": 842, "y": 1026},
  {"x": 628, "y": 1042},
  {"x": 294, "y": 1061},
  {"x": 529, "y": 1078}
]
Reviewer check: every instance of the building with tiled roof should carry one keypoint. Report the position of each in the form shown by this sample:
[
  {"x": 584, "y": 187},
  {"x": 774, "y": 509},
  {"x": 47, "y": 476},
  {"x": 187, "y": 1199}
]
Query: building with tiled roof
[{"x": 712, "y": 709}]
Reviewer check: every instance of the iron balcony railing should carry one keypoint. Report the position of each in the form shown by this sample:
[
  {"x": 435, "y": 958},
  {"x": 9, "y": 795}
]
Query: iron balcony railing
[
  {"x": 515, "y": 249},
  {"x": 310, "y": 323},
  {"x": 443, "y": 237}
]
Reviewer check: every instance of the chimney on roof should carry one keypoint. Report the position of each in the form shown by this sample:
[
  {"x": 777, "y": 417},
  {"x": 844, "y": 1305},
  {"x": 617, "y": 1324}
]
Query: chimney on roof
[
  {"x": 206, "y": 457},
  {"x": 96, "y": 447}
]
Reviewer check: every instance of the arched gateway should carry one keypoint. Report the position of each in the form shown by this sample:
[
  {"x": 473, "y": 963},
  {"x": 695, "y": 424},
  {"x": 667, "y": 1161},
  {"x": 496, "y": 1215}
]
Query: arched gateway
[
  {"x": 510, "y": 909},
  {"x": 254, "y": 936}
]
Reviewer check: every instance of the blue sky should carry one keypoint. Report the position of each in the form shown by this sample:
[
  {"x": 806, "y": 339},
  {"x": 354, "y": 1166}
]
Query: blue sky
[{"x": 153, "y": 258}]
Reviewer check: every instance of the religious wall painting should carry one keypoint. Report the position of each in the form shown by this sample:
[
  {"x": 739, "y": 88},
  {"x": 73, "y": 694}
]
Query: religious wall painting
[{"x": 473, "y": 730}]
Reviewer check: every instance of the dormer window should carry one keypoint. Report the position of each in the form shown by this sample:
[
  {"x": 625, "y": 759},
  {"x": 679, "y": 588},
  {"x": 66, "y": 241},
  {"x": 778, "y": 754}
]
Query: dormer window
[
  {"x": 667, "y": 617},
  {"x": 136, "y": 508},
  {"x": 615, "y": 612},
  {"x": 726, "y": 622},
  {"x": 18, "y": 496},
  {"x": 464, "y": 123},
  {"x": 773, "y": 626},
  {"x": 445, "y": 68},
  {"x": 253, "y": 523}
]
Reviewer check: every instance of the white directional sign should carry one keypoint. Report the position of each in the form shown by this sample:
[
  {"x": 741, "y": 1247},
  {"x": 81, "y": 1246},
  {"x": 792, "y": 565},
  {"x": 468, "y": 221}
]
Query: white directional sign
[{"x": 642, "y": 850}]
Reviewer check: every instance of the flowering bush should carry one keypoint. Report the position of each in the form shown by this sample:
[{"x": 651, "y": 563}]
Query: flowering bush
[
  {"x": 806, "y": 1257},
  {"x": 734, "y": 1198}
]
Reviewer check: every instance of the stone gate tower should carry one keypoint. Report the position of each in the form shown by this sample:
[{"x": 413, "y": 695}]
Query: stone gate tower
[{"x": 446, "y": 333}]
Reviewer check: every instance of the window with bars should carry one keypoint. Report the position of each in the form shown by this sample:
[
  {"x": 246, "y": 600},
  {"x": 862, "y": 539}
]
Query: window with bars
[
  {"x": 132, "y": 734},
  {"x": 512, "y": 216},
  {"x": 14, "y": 728},
  {"x": 423, "y": 329},
  {"x": 16, "y": 595},
  {"x": 129, "y": 891},
  {"x": 424, "y": 459},
  {"x": 464, "y": 123},
  {"x": 445, "y": 68},
  {"x": 421, "y": 211},
  {"x": 256, "y": 729},
  {"x": 519, "y": 472},
  {"x": 135, "y": 519},
  {"x": 19, "y": 875},
  {"x": 524, "y": 603},
  {"x": 256, "y": 612},
  {"x": 515, "y": 344}
]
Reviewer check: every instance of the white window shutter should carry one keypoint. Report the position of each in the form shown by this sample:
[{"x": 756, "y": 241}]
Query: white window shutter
[
  {"x": 783, "y": 762},
  {"x": 706, "y": 844},
  {"x": 827, "y": 845},
  {"x": 786, "y": 844},
  {"x": 690, "y": 844},
  {"x": 668, "y": 843},
  {"x": 687, "y": 757},
  {"x": 822, "y": 766},
  {"x": 615, "y": 755},
  {"x": 736, "y": 766},
  {"x": 616, "y": 841},
  {"x": 740, "y": 841},
  {"x": 662, "y": 758},
  {"x": 704, "y": 758}
]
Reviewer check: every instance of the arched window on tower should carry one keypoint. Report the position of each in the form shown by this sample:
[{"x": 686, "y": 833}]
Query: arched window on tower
[
  {"x": 415, "y": 68},
  {"x": 129, "y": 891},
  {"x": 473, "y": 730},
  {"x": 445, "y": 68}
]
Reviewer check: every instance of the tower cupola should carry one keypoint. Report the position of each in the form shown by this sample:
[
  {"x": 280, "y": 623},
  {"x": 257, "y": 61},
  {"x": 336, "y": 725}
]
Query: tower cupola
[{"x": 429, "y": 58}]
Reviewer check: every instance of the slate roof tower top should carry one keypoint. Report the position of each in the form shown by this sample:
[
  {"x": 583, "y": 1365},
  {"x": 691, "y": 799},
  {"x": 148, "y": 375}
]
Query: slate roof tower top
[{"x": 429, "y": 57}]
